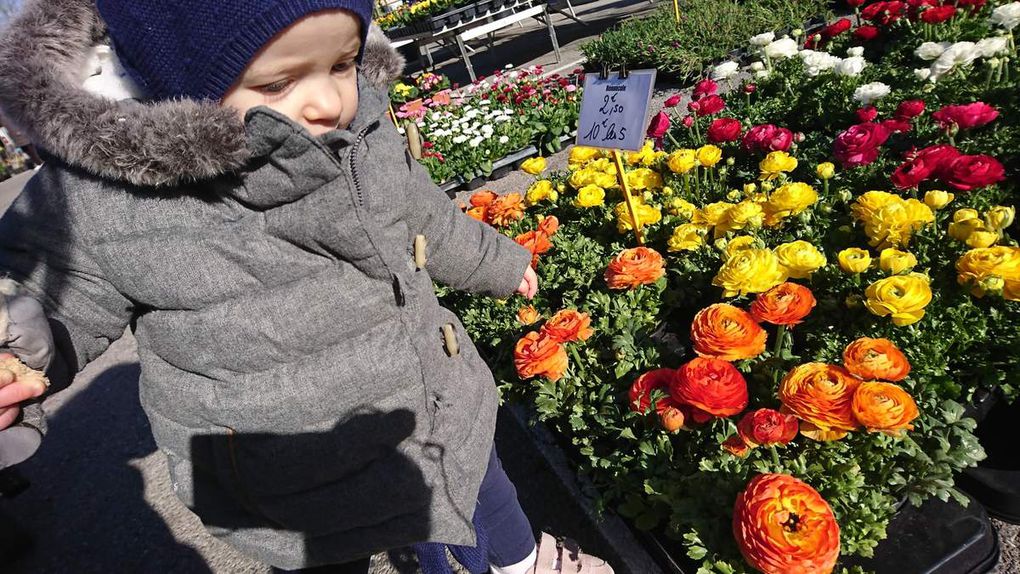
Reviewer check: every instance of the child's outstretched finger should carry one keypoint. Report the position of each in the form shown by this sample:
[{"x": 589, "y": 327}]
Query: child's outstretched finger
[
  {"x": 8, "y": 415},
  {"x": 6, "y": 378},
  {"x": 16, "y": 392}
]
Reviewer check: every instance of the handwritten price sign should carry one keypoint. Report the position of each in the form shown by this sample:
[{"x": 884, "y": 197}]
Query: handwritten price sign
[{"x": 614, "y": 111}]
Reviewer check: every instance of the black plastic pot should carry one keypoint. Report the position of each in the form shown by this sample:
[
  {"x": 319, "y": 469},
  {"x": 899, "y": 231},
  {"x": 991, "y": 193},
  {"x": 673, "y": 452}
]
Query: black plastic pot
[{"x": 995, "y": 482}]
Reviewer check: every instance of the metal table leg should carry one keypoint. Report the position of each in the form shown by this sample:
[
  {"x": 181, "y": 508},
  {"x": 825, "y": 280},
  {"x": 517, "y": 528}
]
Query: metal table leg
[
  {"x": 467, "y": 59},
  {"x": 552, "y": 34}
]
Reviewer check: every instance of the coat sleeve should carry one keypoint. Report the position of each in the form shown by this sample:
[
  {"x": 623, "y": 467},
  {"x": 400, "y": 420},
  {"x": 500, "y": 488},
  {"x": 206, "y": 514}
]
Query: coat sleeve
[
  {"x": 463, "y": 253},
  {"x": 43, "y": 251}
]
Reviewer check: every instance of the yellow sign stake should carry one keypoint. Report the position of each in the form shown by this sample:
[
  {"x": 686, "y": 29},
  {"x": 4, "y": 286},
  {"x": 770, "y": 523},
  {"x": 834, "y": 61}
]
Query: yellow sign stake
[
  {"x": 622, "y": 175},
  {"x": 676, "y": 10}
]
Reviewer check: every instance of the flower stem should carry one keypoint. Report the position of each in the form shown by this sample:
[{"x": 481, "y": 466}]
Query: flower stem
[
  {"x": 775, "y": 457},
  {"x": 780, "y": 339}
]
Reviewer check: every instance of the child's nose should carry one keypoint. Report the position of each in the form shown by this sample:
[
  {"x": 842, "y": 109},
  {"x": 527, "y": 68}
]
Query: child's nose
[{"x": 323, "y": 103}]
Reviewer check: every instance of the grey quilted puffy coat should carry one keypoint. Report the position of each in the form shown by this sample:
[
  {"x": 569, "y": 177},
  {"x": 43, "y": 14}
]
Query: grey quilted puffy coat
[{"x": 315, "y": 402}]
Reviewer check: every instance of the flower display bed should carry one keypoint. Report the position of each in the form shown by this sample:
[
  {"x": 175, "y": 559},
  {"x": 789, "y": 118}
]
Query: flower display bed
[{"x": 829, "y": 274}]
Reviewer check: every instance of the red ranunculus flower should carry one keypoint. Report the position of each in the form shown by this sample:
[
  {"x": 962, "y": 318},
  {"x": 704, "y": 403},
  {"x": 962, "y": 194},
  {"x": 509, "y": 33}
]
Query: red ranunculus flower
[
  {"x": 836, "y": 28},
  {"x": 704, "y": 88},
  {"x": 724, "y": 130},
  {"x": 767, "y": 138},
  {"x": 659, "y": 125},
  {"x": 939, "y": 157},
  {"x": 855, "y": 3},
  {"x": 765, "y": 427},
  {"x": 867, "y": 114},
  {"x": 641, "y": 390},
  {"x": 673, "y": 101},
  {"x": 966, "y": 116},
  {"x": 867, "y": 33},
  {"x": 713, "y": 387},
  {"x": 884, "y": 13},
  {"x": 938, "y": 14},
  {"x": 897, "y": 125},
  {"x": 859, "y": 145},
  {"x": 912, "y": 173},
  {"x": 969, "y": 172},
  {"x": 711, "y": 105},
  {"x": 910, "y": 109}
]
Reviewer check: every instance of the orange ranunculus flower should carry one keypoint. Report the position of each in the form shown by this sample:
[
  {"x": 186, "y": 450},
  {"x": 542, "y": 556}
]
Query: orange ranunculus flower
[
  {"x": 784, "y": 304},
  {"x": 820, "y": 396},
  {"x": 726, "y": 332},
  {"x": 480, "y": 213},
  {"x": 506, "y": 209},
  {"x": 536, "y": 242},
  {"x": 569, "y": 325},
  {"x": 715, "y": 388},
  {"x": 672, "y": 419},
  {"x": 783, "y": 526},
  {"x": 884, "y": 407},
  {"x": 549, "y": 225},
  {"x": 634, "y": 267},
  {"x": 483, "y": 198},
  {"x": 765, "y": 427},
  {"x": 641, "y": 390},
  {"x": 876, "y": 359},
  {"x": 736, "y": 446},
  {"x": 528, "y": 315},
  {"x": 538, "y": 354}
]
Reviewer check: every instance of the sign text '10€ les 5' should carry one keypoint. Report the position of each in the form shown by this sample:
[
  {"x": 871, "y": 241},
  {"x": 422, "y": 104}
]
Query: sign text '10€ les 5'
[{"x": 614, "y": 110}]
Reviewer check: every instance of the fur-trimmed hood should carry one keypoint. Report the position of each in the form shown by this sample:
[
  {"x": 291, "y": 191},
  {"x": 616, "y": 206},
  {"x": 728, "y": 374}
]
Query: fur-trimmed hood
[{"x": 44, "y": 55}]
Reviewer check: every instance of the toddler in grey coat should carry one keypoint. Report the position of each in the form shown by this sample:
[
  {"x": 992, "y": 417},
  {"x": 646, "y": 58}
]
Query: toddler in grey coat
[{"x": 256, "y": 221}]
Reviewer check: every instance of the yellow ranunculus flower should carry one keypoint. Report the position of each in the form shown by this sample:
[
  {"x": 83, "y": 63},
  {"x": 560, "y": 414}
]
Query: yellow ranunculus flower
[
  {"x": 894, "y": 224},
  {"x": 744, "y": 215},
  {"x": 800, "y": 258},
  {"x": 646, "y": 214},
  {"x": 590, "y": 196},
  {"x": 604, "y": 164},
  {"x": 788, "y": 200},
  {"x": 965, "y": 214},
  {"x": 867, "y": 204},
  {"x": 978, "y": 239},
  {"x": 644, "y": 178},
  {"x": 605, "y": 180},
  {"x": 681, "y": 208},
  {"x": 682, "y": 161},
  {"x": 687, "y": 237},
  {"x": 402, "y": 89},
  {"x": 983, "y": 269},
  {"x": 750, "y": 271},
  {"x": 825, "y": 170},
  {"x": 709, "y": 155},
  {"x": 738, "y": 244},
  {"x": 534, "y": 166},
  {"x": 937, "y": 199},
  {"x": 854, "y": 260},
  {"x": 580, "y": 155},
  {"x": 1000, "y": 217},
  {"x": 712, "y": 214},
  {"x": 961, "y": 230},
  {"x": 644, "y": 156},
  {"x": 894, "y": 261},
  {"x": 541, "y": 190},
  {"x": 775, "y": 163},
  {"x": 581, "y": 178},
  {"x": 903, "y": 297}
]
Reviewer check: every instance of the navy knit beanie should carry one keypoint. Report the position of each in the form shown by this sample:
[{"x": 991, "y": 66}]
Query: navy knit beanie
[{"x": 199, "y": 48}]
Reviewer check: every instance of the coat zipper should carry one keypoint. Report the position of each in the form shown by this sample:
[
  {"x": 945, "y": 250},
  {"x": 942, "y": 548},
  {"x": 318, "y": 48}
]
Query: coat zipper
[{"x": 354, "y": 170}]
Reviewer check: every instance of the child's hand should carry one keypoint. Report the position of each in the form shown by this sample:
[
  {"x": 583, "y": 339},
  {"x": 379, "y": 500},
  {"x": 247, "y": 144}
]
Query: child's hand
[{"x": 529, "y": 285}]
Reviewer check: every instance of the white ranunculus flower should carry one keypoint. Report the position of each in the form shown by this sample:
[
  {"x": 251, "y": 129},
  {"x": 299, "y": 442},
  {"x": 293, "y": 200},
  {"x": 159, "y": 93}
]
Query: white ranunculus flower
[
  {"x": 869, "y": 93},
  {"x": 757, "y": 66},
  {"x": 817, "y": 62},
  {"x": 931, "y": 50},
  {"x": 959, "y": 54},
  {"x": 763, "y": 39},
  {"x": 725, "y": 70},
  {"x": 922, "y": 73},
  {"x": 852, "y": 66},
  {"x": 504, "y": 139},
  {"x": 1007, "y": 15},
  {"x": 784, "y": 47},
  {"x": 990, "y": 47},
  {"x": 475, "y": 141},
  {"x": 762, "y": 74},
  {"x": 460, "y": 139},
  {"x": 855, "y": 52}
]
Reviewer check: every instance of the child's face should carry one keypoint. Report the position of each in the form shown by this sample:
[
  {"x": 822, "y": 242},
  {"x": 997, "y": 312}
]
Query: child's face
[{"x": 306, "y": 72}]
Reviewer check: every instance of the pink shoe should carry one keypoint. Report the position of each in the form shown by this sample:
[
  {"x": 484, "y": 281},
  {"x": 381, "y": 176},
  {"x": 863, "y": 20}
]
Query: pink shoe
[{"x": 556, "y": 557}]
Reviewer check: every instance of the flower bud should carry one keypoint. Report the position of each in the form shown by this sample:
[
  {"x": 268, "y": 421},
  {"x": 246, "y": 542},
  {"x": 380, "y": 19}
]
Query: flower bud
[
  {"x": 937, "y": 199},
  {"x": 796, "y": 33},
  {"x": 799, "y": 137},
  {"x": 1000, "y": 217},
  {"x": 750, "y": 88},
  {"x": 826, "y": 170},
  {"x": 667, "y": 190},
  {"x": 730, "y": 161},
  {"x": 688, "y": 121},
  {"x": 734, "y": 195},
  {"x": 979, "y": 239},
  {"x": 964, "y": 214},
  {"x": 992, "y": 284}
]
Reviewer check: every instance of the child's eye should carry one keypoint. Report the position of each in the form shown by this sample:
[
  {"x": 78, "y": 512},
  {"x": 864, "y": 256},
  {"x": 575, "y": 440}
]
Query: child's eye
[
  {"x": 275, "y": 87},
  {"x": 343, "y": 67}
]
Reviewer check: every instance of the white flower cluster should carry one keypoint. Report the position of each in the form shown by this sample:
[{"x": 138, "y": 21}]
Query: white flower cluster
[
  {"x": 870, "y": 93},
  {"x": 945, "y": 57},
  {"x": 1006, "y": 16},
  {"x": 473, "y": 126},
  {"x": 815, "y": 62}
]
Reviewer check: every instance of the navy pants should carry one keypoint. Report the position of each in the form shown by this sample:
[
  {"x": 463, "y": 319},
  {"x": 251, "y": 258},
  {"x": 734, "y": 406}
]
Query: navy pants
[{"x": 499, "y": 520}]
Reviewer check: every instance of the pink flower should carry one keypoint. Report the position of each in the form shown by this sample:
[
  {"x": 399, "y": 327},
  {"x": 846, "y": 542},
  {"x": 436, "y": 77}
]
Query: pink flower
[
  {"x": 711, "y": 105},
  {"x": 766, "y": 138},
  {"x": 867, "y": 114},
  {"x": 704, "y": 88},
  {"x": 966, "y": 116},
  {"x": 673, "y": 101},
  {"x": 910, "y": 109},
  {"x": 659, "y": 125},
  {"x": 859, "y": 145}
]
